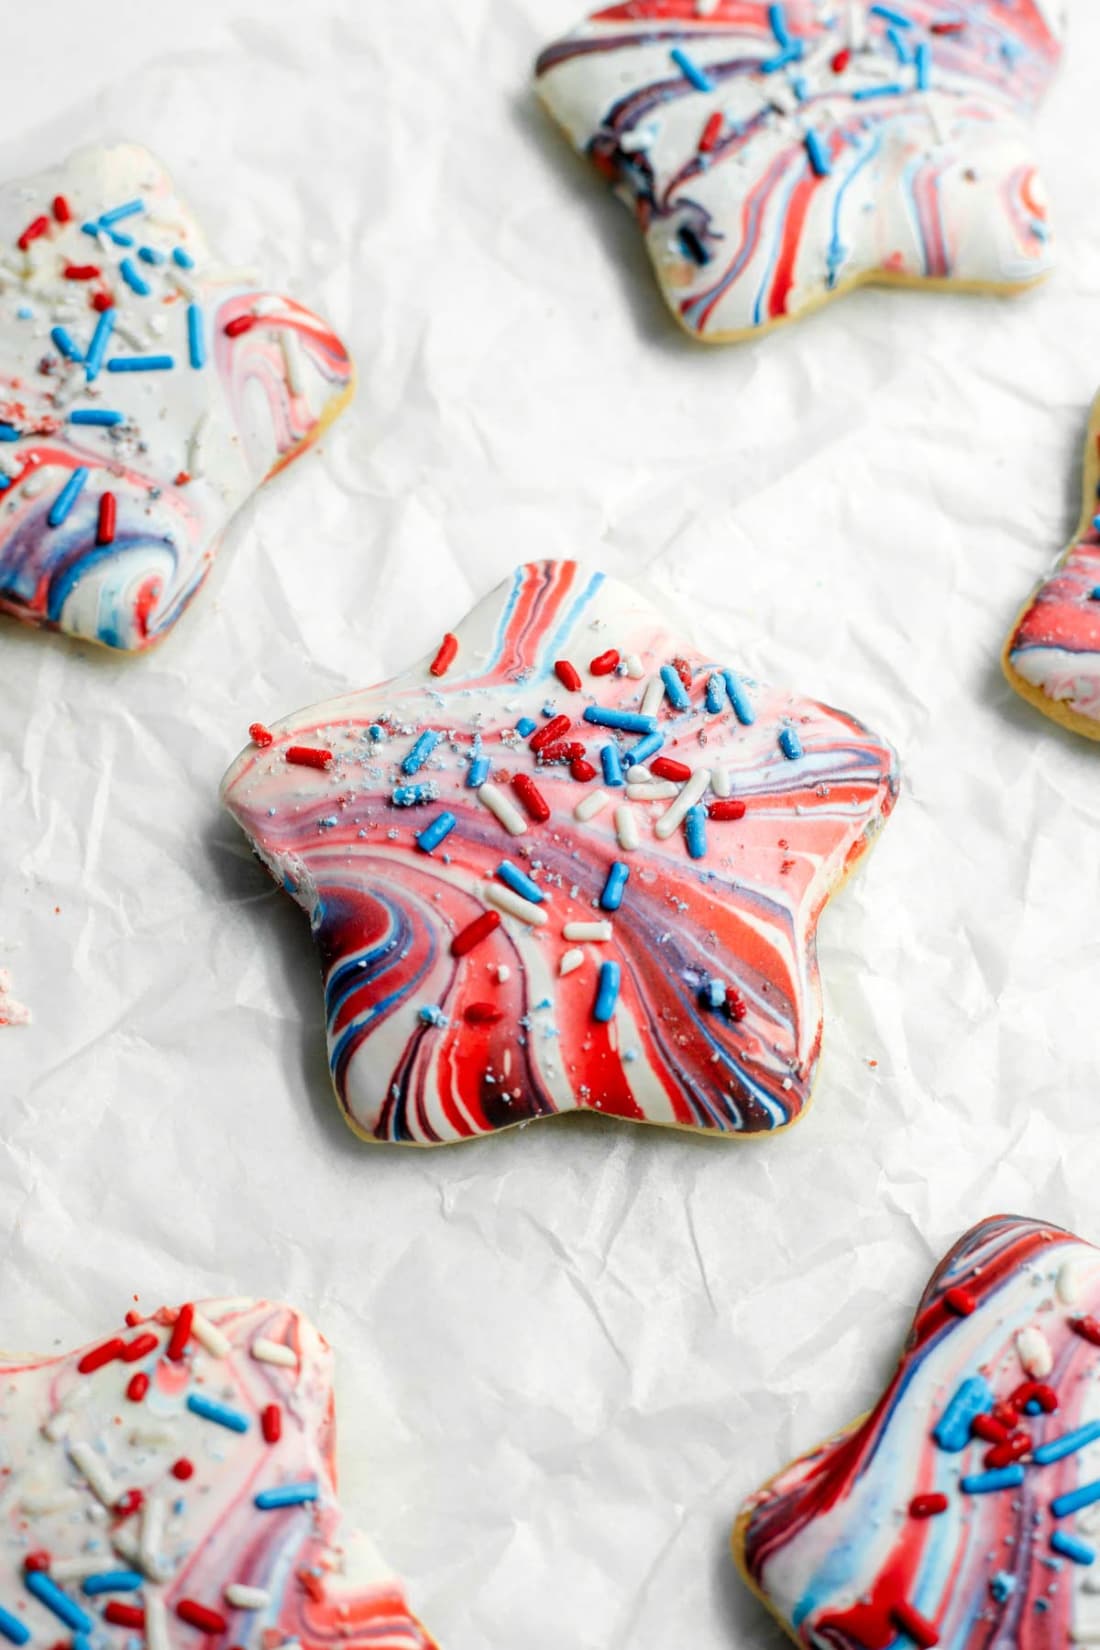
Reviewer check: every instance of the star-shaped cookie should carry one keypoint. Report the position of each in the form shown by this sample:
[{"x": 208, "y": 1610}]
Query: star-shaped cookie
[
  {"x": 173, "y": 1485},
  {"x": 779, "y": 155},
  {"x": 1053, "y": 654},
  {"x": 146, "y": 391},
  {"x": 963, "y": 1511},
  {"x": 566, "y": 863}
]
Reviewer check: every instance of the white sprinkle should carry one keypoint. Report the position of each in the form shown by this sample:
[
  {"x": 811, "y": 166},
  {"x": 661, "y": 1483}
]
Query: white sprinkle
[
  {"x": 292, "y": 360},
  {"x": 626, "y": 829},
  {"x": 643, "y": 138},
  {"x": 634, "y": 667},
  {"x": 1069, "y": 1282},
  {"x": 35, "y": 484},
  {"x": 152, "y": 1533},
  {"x": 857, "y": 33},
  {"x": 640, "y": 775},
  {"x": 90, "y": 1465},
  {"x": 505, "y": 899},
  {"x": 57, "y": 1426},
  {"x": 570, "y": 960},
  {"x": 156, "y": 1623},
  {"x": 242, "y": 1597},
  {"x": 36, "y": 1503},
  {"x": 1034, "y": 1352},
  {"x": 210, "y": 1336},
  {"x": 194, "y": 448},
  {"x": 597, "y": 931},
  {"x": 653, "y": 696},
  {"x": 152, "y": 1436},
  {"x": 273, "y": 1352},
  {"x": 673, "y": 816},
  {"x": 504, "y": 973},
  {"x": 75, "y": 1569},
  {"x": 720, "y": 782},
  {"x": 591, "y": 805},
  {"x": 181, "y": 283},
  {"x": 658, "y": 790},
  {"x": 504, "y": 809}
]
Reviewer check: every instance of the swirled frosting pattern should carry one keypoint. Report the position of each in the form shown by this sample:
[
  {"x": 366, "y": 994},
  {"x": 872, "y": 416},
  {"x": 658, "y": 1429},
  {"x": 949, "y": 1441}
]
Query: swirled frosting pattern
[
  {"x": 174, "y": 1485},
  {"x": 568, "y": 863},
  {"x": 963, "y": 1510},
  {"x": 777, "y": 155},
  {"x": 146, "y": 391},
  {"x": 1053, "y": 654}
]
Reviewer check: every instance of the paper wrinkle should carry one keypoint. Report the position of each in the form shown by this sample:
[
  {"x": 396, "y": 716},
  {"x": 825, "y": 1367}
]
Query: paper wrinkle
[{"x": 564, "y": 1353}]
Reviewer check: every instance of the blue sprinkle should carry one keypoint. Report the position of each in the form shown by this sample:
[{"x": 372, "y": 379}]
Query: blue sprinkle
[
  {"x": 691, "y": 71},
  {"x": 519, "y": 882},
  {"x": 863, "y": 94},
  {"x": 525, "y": 725},
  {"x": 790, "y": 54},
  {"x": 644, "y": 749},
  {"x": 12, "y": 1628},
  {"x": 819, "y": 155},
  {"x": 431, "y": 1015},
  {"x": 1069, "y": 1547},
  {"x": 64, "y": 344},
  {"x": 607, "y": 992},
  {"x": 47, "y": 1592},
  {"x": 5, "y": 482},
  {"x": 68, "y": 496},
  {"x": 288, "y": 1495},
  {"x": 973, "y": 1397},
  {"x": 421, "y": 751},
  {"x": 695, "y": 831},
  {"x": 1074, "y": 1500},
  {"x": 98, "y": 346},
  {"x": 902, "y": 48},
  {"x": 985, "y": 1483},
  {"x": 113, "y": 1581},
  {"x": 674, "y": 689},
  {"x": 127, "y": 210},
  {"x": 739, "y": 699},
  {"x": 1002, "y": 1586},
  {"x": 479, "y": 772},
  {"x": 894, "y": 17},
  {"x": 778, "y": 21},
  {"x": 614, "y": 887},
  {"x": 117, "y": 236},
  {"x": 25, "y": 312},
  {"x": 715, "y": 694},
  {"x": 196, "y": 343},
  {"x": 407, "y": 796},
  {"x": 790, "y": 744},
  {"x": 712, "y": 994},
  {"x": 376, "y": 731},
  {"x": 182, "y": 259},
  {"x": 436, "y": 832},
  {"x": 150, "y": 255},
  {"x": 693, "y": 245},
  {"x": 134, "y": 279},
  {"x": 924, "y": 67},
  {"x": 8, "y": 432},
  {"x": 611, "y": 763},
  {"x": 141, "y": 363},
  {"x": 95, "y": 415},
  {"x": 627, "y": 721},
  {"x": 1094, "y": 594},
  {"x": 210, "y": 1410},
  {"x": 91, "y": 229}
]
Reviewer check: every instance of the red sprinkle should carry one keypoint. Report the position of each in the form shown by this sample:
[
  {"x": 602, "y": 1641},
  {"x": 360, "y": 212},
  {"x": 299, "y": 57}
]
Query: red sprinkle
[
  {"x": 683, "y": 671},
  {"x": 474, "y": 933},
  {"x": 1005, "y": 1415},
  {"x": 445, "y": 658},
  {"x": 313, "y": 1585},
  {"x": 532, "y": 798},
  {"x": 181, "y": 1334},
  {"x": 947, "y": 28},
  {"x": 841, "y": 61},
  {"x": 604, "y": 663},
  {"x": 62, "y": 211},
  {"x": 961, "y": 1302},
  {"x": 124, "y": 1615},
  {"x": 568, "y": 675},
  {"x": 712, "y": 131},
  {"x": 81, "y": 272},
  {"x": 1003, "y": 1455},
  {"x": 308, "y": 756},
  {"x": 550, "y": 732},
  {"x": 36, "y": 228},
  {"x": 1035, "y": 1392},
  {"x": 736, "y": 1007},
  {"x": 570, "y": 750},
  {"x": 260, "y": 735},
  {"x": 140, "y": 1347},
  {"x": 182, "y": 477},
  {"x": 100, "y": 1355},
  {"x": 182, "y": 1469},
  {"x": 39, "y": 1560},
  {"x": 482, "y": 1014},
  {"x": 138, "y": 1387},
  {"x": 989, "y": 1430},
  {"x": 133, "y": 1319},
  {"x": 239, "y": 324},
  {"x": 105, "y": 527},
  {"x": 665, "y": 768},
  {"x": 912, "y": 1622},
  {"x": 271, "y": 1423},
  {"x": 1087, "y": 1328},
  {"x": 582, "y": 770},
  {"x": 197, "y": 1615},
  {"x": 927, "y": 1506},
  {"x": 726, "y": 808},
  {"x": 128, "y": 1503},
  {"x": 102, "y": 301}
]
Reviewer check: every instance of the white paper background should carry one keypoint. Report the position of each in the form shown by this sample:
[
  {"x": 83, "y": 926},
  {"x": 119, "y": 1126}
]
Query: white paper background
[{"x": 564, "y": 1354}]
